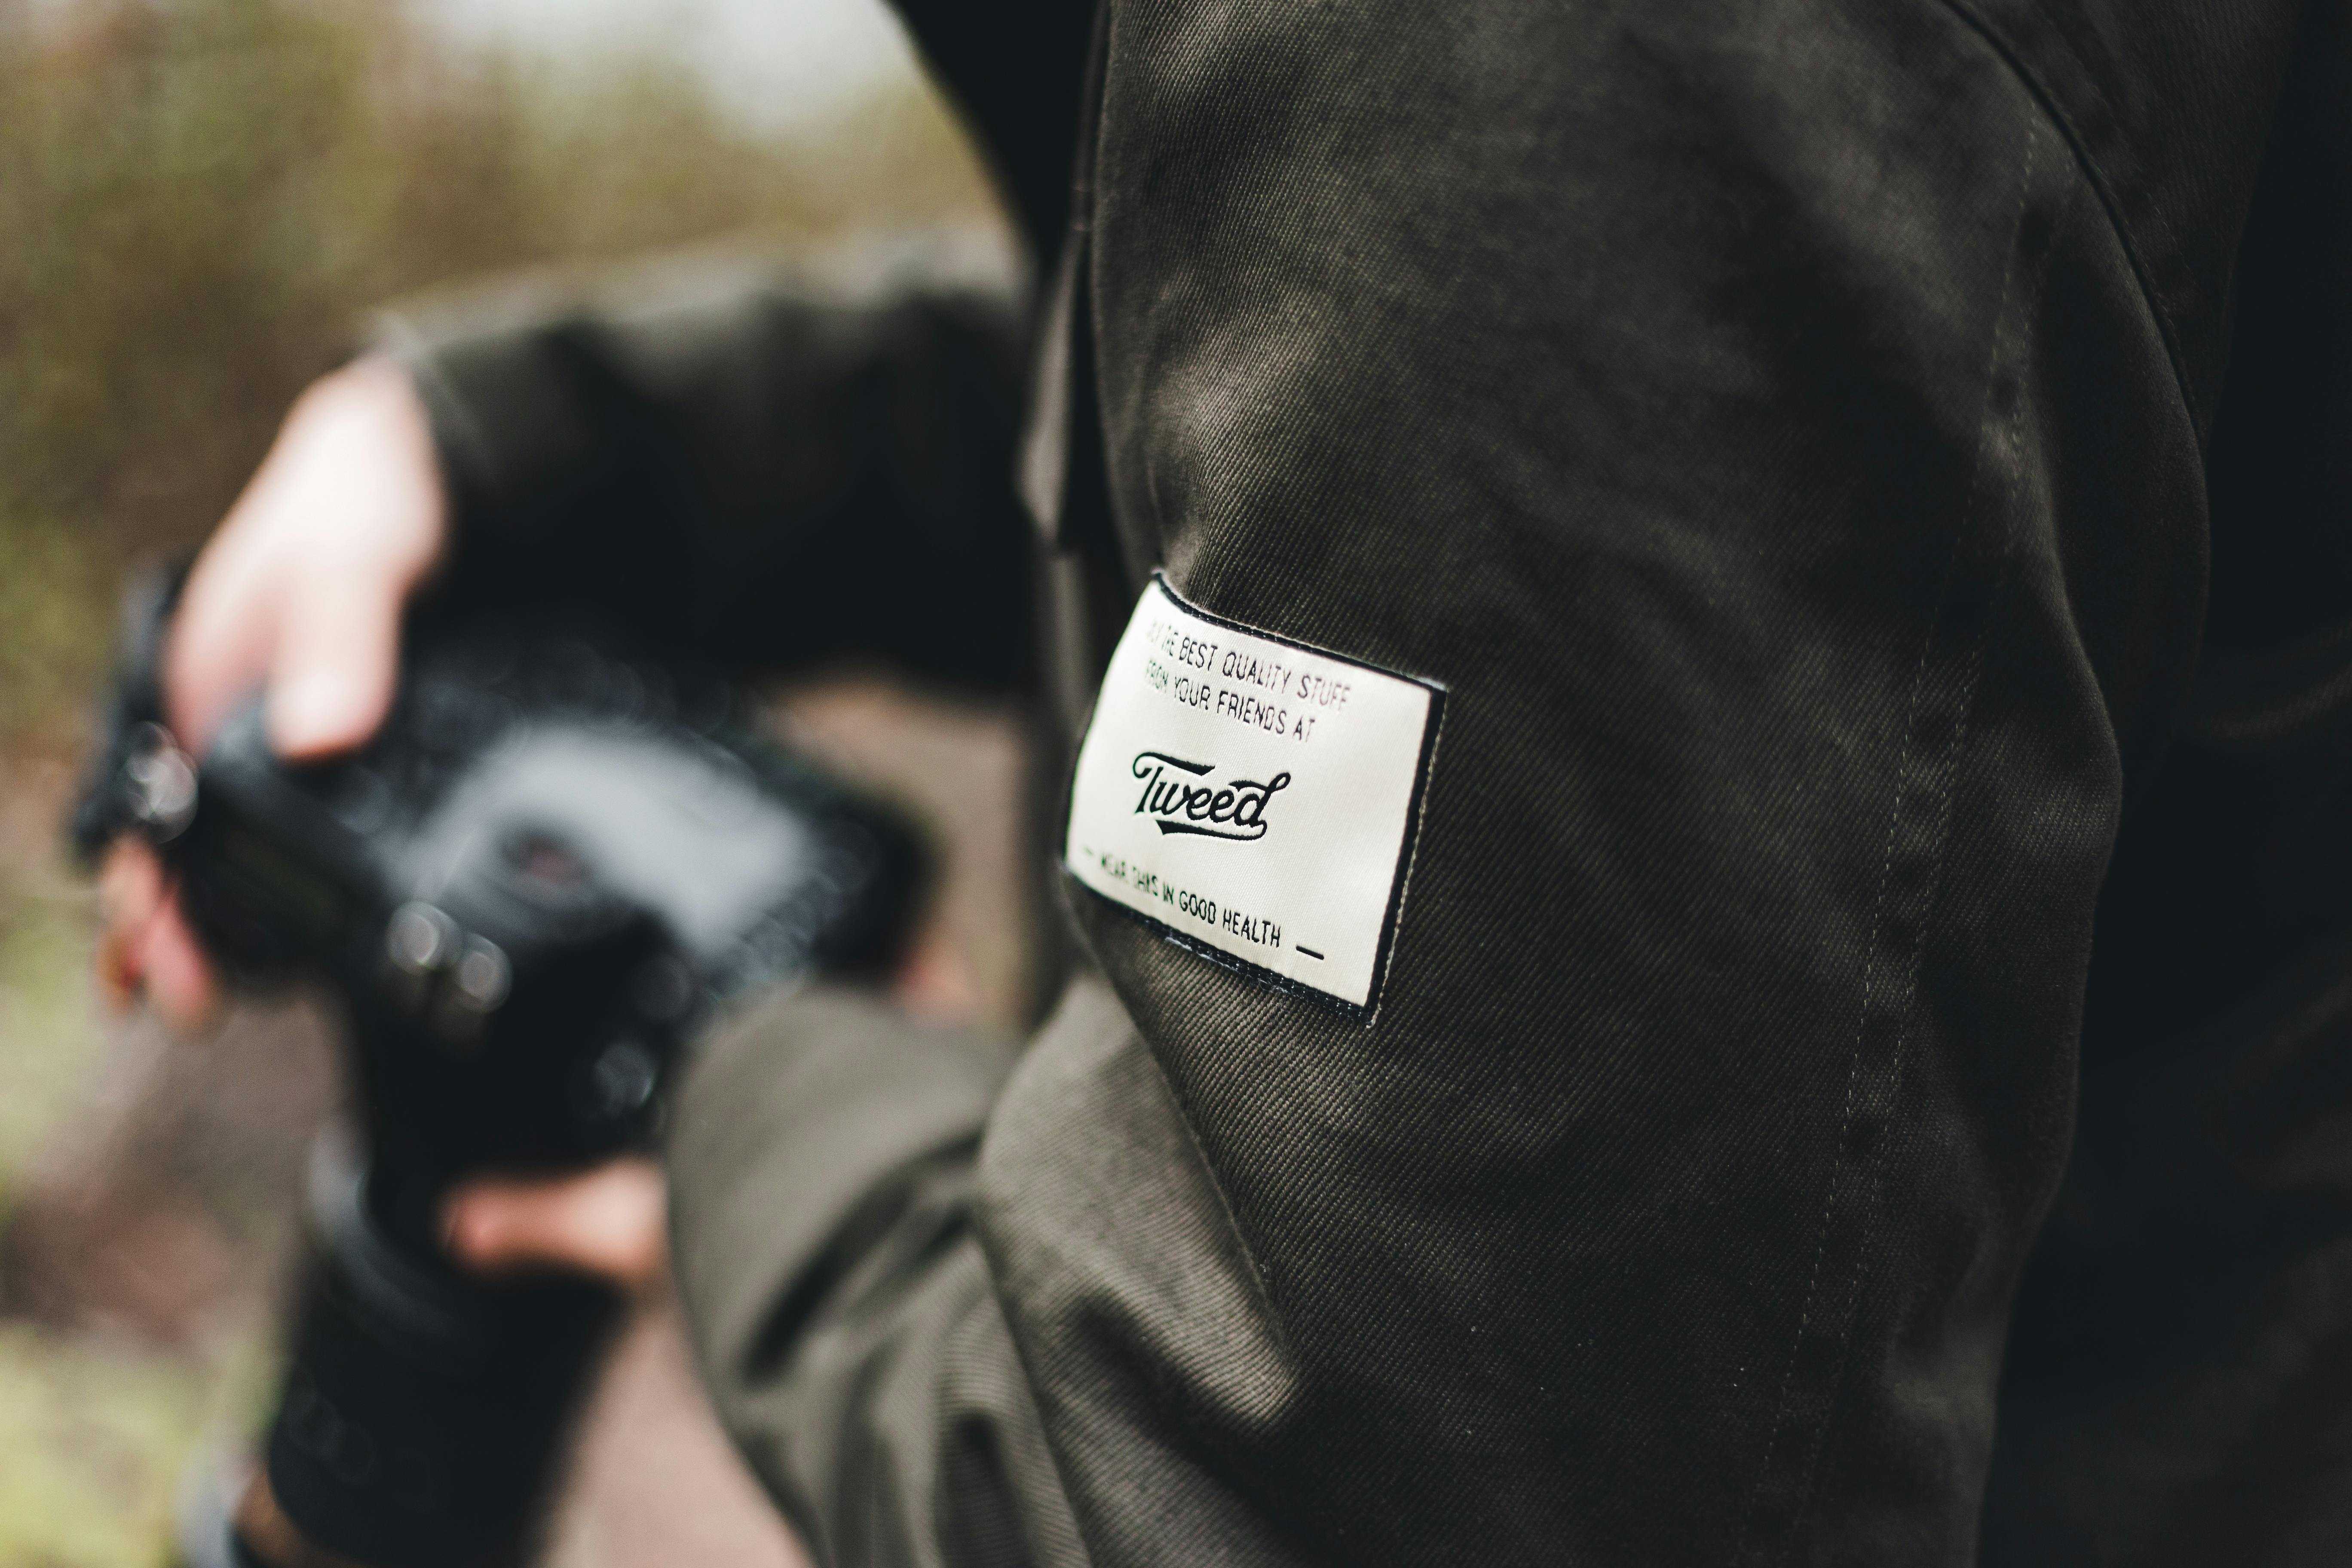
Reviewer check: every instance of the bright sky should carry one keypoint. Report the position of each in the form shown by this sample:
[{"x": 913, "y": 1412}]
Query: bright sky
[{"x": 778, "y": 63}]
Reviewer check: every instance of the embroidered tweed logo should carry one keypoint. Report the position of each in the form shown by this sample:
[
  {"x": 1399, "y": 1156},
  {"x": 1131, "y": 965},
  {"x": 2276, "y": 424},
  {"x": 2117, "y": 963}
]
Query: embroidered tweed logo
[{"x": 1211, "y": 810}]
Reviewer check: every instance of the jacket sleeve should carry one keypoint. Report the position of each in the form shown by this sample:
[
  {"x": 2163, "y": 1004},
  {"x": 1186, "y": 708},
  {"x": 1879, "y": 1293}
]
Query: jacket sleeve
[
  {"x": 822, "y": 1177},
  {"x": 1781, "y": 431},
  {"x": 772, "y": 466}
]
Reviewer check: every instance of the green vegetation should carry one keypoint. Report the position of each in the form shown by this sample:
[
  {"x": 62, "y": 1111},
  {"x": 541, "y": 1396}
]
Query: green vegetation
[
  {"x": 94, "y": 1439},
  {"x": 198, "y": 200}
]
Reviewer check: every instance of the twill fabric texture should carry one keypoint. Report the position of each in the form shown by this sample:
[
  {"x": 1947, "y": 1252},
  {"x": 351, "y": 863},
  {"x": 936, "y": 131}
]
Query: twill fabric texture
[{"x": 1859, "y": 1077}]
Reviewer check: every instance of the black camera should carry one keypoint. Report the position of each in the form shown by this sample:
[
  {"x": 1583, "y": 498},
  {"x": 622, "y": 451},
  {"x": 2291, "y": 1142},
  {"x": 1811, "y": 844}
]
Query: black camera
[{"x": 555, "y": 860}]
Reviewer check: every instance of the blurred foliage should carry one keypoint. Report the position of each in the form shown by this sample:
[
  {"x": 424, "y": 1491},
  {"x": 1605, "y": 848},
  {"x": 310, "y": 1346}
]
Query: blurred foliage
[
  {"x": 96, "y": 1437},
  {"x": 91, "y": 1442},
  {"x": 45, "y": 1012},
  {"x": 199, "y": 199}
]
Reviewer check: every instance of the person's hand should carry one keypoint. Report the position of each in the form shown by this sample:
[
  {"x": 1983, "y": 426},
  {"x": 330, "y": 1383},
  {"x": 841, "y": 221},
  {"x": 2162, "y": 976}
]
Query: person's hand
[
  {"x": 612, "y": 1221},
  {"x": 298, "y": 594},
  {"x": 609, "y": 1222}
]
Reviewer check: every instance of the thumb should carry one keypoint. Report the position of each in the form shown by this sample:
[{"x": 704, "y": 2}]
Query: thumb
[{"x": 337, "y": 655}]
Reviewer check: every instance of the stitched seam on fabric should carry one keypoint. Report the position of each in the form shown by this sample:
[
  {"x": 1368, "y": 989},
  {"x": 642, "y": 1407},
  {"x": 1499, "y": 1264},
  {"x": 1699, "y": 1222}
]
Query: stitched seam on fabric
[
  {"x": 2110, "y": 202},
  {"x": 1782, "y": 1415},
  {"x": 1998, "y": 579},
  {"x": 1852, "y": 1082}
]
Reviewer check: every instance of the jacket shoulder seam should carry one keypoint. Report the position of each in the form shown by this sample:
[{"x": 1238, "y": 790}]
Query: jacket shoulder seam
[{"x": 2113, "y": 198}]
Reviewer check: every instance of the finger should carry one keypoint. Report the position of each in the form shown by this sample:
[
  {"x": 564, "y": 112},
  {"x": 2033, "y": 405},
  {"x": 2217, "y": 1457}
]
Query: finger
[
  {"x": 345, "y": 517},
  {"x": 130, "y": 883},
  {"x": 129, "y": 891},
  {"x": 609, "y": 1222},
  {"x": 217, "y": 647},
  {"x": 177, "y": 979},
  {"x": 331, "y": 673}
]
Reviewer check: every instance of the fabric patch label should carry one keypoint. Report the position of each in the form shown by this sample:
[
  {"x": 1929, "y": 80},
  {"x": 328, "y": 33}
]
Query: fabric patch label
[{"x": 1252, "y": 798}]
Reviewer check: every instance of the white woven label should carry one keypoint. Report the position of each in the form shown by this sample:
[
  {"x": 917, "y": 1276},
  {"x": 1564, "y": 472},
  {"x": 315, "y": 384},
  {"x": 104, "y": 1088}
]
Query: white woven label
[{"x": 1252, "y": 796}]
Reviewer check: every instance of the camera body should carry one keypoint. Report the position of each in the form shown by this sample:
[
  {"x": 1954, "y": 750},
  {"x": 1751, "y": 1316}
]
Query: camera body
[{"x": 549, "y": 867}]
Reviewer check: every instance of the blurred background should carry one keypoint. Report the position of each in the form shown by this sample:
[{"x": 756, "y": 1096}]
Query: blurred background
[{"x": 199, "y": 199}]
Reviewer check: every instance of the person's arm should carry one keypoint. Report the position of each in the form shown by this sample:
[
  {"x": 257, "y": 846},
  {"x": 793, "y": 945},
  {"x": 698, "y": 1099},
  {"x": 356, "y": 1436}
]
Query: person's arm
[
  {"x": 822, "y": 1177},
  {"x": 763, "y": 466}
]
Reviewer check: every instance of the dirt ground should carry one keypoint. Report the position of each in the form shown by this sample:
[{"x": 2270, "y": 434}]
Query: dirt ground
[{"x": 149, "y": 1186}]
